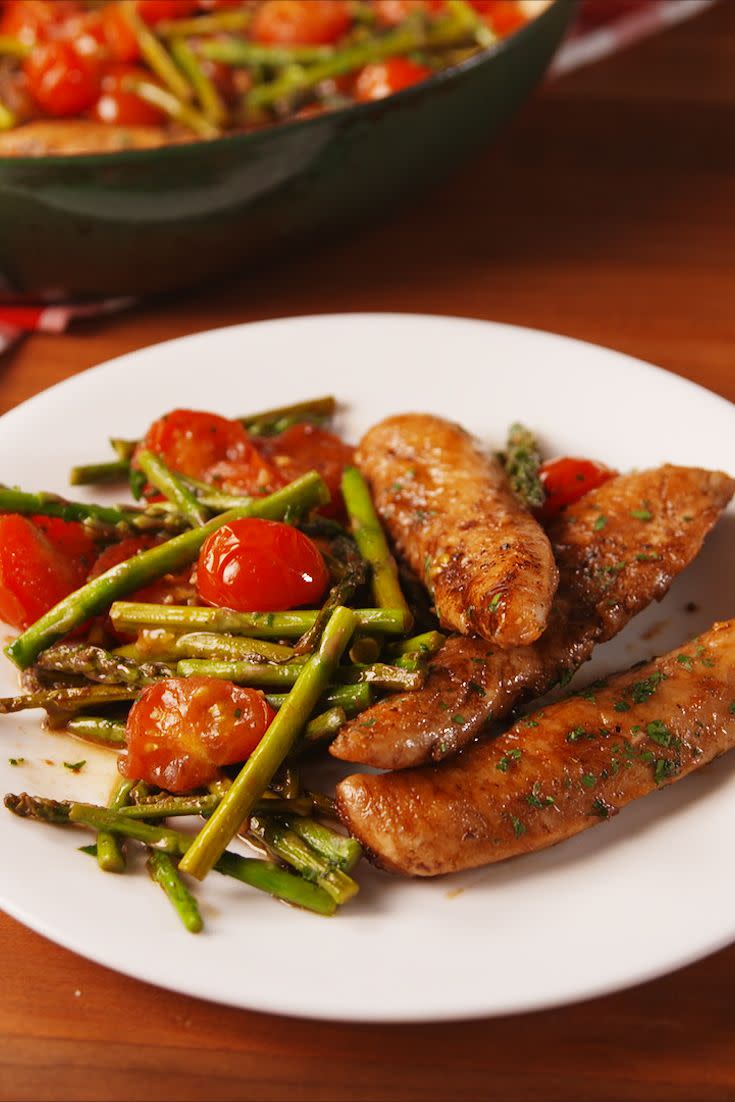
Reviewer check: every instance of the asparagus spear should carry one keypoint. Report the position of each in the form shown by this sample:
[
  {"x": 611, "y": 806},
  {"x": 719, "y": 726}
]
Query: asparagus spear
[
  {"x": 203, "y": 644},
  {"x": 324, "y": 726},
  {"x": 171, "y": 486},
  {"x": 274, "y": 746},
  {"x": 110, "y": 855},
  {"x": 211, "y": 102},
  {"x": 165, "y": 807},
  {"x": 286, "y": 844},
  {"x": 97, "y": 664},
  {"x": 50, "y": 505},
  {"x": 115, "y": 470},
  {"x": 522, "y": 462},
  {"x": 69, "y": 698},
  {"x": 259, "y": 874},
  {"x": 103, "y": 732},
  {"x": 370, "y": 539},
  {"x": 426, "y": 644},
  {"x": 341, "y": 593},
  {"x": 13, "y": 47},
  {"x": 129, "y": 616},
  {"x": 240, "y": 52},
  {"x": 264, "y": 675},
  {"x": 214, "y": 23},
  {"x": 351, "y": 698},
  {"x": 163, "y": 871},
  {"x": 155, "y": 53},
  {"x": 271, "y": 421},
  {"x": 176, "y": 109},
  {"x": 96, "y": 596},
  {"x": 338, "y": 849}
]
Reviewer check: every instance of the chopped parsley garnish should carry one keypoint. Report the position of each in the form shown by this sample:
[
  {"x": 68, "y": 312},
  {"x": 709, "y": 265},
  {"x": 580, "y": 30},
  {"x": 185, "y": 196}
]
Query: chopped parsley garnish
[
  {"x": 238, "y": 713},
  {"x": 732, "y": 707},
  {"x": 647, "y": 556},
  {"x": 599, "y": 523},
  {"x": 518, "y": 827},
  {"x": 659, "y": 732},
  {"x": 474, "y": 687},
  {"x": 685, "y": 660},
  {"x": 577, "y": 734},
  {"x": 600, "y": 808},
  {"x": 565, "y": 677},
  {"x": 536, "y": 799},
  {"x": 641, "y": 691},
  {"x": 458, "y": 718},
  {"x": 507, "y": 760},
  {"x": 495, "y": 602},
  {"x": 641, "y": 514},
  {"x": 534, "y": 722},
  {"x": 368, "y": 723},
  {"x": 589, "y": 780},
  {"x": 622, "y": 706},
  {"x": 16, "y": 761},
  {"x": 663, "y": 769},
  {"x": 75, "y": 766},
  {"x": 396, "y": 487}
]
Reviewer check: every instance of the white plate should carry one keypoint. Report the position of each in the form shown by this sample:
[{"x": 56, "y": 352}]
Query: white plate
[{"x": 627, "y": 901}]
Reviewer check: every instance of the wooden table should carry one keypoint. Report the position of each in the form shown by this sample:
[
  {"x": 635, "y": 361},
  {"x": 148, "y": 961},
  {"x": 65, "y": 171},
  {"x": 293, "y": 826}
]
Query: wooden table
[{"x": 604, "y": 212}]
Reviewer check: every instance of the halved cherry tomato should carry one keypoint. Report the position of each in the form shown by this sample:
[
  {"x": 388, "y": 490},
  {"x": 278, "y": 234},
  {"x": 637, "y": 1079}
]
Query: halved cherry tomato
[
  {"x": 206, "y": 446},
  {"x": 71, "y": 538},
  {"x": 62, "y": 81},
  {"x": 301, "y": 22},
  {"x": 180, "y": 731},
  {"x": 121, "y": 41},
  {"x": 566, "y": 480},
  {"x": 303, "y": 448},
  {"x": 30, "y": 20},
  {"x": 382, "y": 78},
  {"x": 503, "y": 16},
  {"x": 119, "y": 107},
  {"x": 153, "y": 11},
  {"x": 34, "y": 574},
  {"x": 255, "y": 565}
]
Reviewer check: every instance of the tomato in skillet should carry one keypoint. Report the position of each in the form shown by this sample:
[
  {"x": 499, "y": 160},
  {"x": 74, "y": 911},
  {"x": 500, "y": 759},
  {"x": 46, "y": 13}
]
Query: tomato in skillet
[
  {"x": 180, "y": 731},
  {"x": 383, "y": 78},
  {"x": 211, "y": 448},
  {"x": 34, "y": 573},
  {"x": 388, "y": 13},
  {"x": 71, "y": 538},
  {"x": 253, "y": 565},
  {"x": 153, "y": 11},
  {"x": 566, "y": 480},
  {"x": 62, "y": 80},
  {"x": 303, "y": 448},
  {"x": 119, "y": 36},
  {"x": 301, "y": 22},
  {"x": 122, "y": 108},
  {"x": 30, "y": 20},
  {"x": 170, "y": 589}
]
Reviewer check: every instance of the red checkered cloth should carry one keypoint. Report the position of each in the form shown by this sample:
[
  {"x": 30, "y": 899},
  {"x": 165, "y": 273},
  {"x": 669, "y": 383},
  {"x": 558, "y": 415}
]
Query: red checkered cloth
[{"x": 602, "y": 27}]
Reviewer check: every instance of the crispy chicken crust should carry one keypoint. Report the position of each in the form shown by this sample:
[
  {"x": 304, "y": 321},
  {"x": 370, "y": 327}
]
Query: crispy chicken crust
[
  {"x": 618, "y": 549},
  {"x": 447, "y": 505},
  {"x": 556, "y": 773}
]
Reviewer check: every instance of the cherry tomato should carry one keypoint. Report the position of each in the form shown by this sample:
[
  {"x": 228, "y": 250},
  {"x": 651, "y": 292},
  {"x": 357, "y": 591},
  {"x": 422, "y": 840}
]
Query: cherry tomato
[
  {"x": 255, "y": 565},
  {"x": 170, "y": 589},
  {"x": 180, "y": 731},
  {"x": 503, "y": 16},
  {"x": 121, "y": 41},
  {"x": 303, "y": 448},
  {"x": 153, "y": 11},
  {"x": 301, "y": 22},
  {"x": 389, "y": 13},
  {"x": 212, "y": 448},
  {"x": 62, "y": 81},
  {"x": 120, "y": 107},
  {"x": 566, "y": 480},
  {"x": 381, "y": 78},
  {"x": 34, "y": 574},
  {"x": 71, "y": 538},
  {"x": 29, "y": 20}
]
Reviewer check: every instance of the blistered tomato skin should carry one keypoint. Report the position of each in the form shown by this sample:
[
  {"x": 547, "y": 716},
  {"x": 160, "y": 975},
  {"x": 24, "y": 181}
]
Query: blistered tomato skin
[
  {"x": 306, "y": 447},
  {"x": 255, "y": 565},
  {"x": 301, "y": 22},
  {"x": 181, "y": 731},
  {"x": 34, "y": 573}
]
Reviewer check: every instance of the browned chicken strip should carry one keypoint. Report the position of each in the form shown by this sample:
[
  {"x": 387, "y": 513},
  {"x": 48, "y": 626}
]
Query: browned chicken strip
[
  {"x": 57, "y": 136},
  {"x": 447, "y": 505},
  {"x": 555, "y": 773},
  {"x": 618, "y": 549}
]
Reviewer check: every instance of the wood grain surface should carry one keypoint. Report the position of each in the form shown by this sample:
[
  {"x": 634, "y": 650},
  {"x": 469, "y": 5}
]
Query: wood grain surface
[{"x": 605, "y": 212}]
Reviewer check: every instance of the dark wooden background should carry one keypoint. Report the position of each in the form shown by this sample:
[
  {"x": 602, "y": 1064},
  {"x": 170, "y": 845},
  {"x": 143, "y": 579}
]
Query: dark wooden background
[{"x": 604, "y": 212}]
